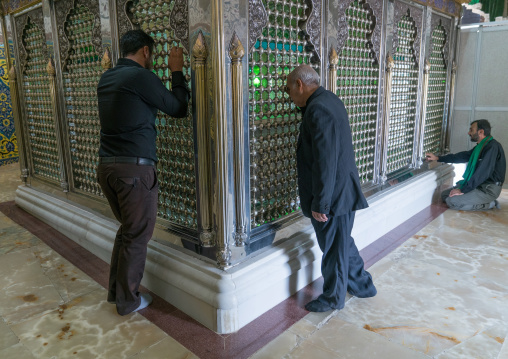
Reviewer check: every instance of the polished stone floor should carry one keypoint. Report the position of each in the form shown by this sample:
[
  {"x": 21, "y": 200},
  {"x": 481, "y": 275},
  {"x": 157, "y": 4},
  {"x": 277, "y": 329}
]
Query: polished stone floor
[{"x": 443, "y": 293}]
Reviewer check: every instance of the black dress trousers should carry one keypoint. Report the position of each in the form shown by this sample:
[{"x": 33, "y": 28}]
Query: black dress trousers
[
  {"x": 341, "y": 265},
  {"x": 132, "y": 193}
]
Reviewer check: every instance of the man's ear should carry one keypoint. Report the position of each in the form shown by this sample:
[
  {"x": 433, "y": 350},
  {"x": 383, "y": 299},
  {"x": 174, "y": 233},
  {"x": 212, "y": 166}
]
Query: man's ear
[
  {"x": 146, "y": 51},
  {"x": 299, "y": 84}
]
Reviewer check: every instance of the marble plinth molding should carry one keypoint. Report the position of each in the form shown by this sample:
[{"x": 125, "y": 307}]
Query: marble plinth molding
[
  {"x": 227, "y": 300},
  {"x": 395, "y": 205}
]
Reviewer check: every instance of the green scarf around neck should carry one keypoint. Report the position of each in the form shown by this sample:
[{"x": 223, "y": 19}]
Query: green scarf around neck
[{"x": 471, "y": 165}]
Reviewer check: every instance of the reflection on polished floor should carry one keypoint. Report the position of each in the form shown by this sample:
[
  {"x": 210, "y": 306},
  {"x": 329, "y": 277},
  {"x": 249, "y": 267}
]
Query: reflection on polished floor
[{"x": 443, "y": 293}]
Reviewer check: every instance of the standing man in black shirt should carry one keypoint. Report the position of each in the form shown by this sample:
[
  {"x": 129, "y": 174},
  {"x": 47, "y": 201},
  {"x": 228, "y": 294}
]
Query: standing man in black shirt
[
  {"x": 130, "y": 95},
  {"x": 485, "y": 172}
]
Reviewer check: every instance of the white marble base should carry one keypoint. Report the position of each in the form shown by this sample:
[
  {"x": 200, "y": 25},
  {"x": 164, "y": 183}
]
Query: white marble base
[
  {"x": 227, "y": 300},
  {"x": 396, "y": 205}
]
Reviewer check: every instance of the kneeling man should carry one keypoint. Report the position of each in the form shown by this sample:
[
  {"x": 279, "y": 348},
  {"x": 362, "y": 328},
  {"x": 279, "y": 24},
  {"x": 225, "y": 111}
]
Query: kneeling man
[{"x": 485, "y": 171}]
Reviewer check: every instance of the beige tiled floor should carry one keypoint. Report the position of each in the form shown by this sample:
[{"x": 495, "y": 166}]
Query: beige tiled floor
[{"x": 443, "y": 294}]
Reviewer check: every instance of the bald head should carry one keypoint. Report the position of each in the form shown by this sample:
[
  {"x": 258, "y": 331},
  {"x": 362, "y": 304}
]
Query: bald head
[{"x": 306, "y": 74}]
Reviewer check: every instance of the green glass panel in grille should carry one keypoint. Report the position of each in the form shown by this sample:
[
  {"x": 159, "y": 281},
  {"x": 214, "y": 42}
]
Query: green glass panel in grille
[
  {"x": 274, "y": 119},
  {"x": 81, "y": 75},
  {"x": 357, "y": 84},
  {"x": 38, "y": 108},
  {"x": 403, "y": 101},
  {"x": 436, "y": 93},
  {"x": 175, "y": 136}
]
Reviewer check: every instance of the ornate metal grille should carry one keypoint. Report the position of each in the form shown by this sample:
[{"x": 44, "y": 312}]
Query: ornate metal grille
[
  {"x": 39, "y": 111},
  {"x": 357, "y": 84},
  {"x": 175, "y": 140},
  {"x": 82, "y": 73},
  {"x": 403, "y": 101},
  {"x": 436, "y": 92},
  {"x": 274, "y": 119}
]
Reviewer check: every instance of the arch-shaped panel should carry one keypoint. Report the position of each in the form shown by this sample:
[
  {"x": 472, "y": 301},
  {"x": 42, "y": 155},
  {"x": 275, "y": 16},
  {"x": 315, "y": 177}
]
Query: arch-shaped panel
[
  {"x": 357, "y": 82},
  {"x": 436, "y": 92},
  {"x": 78, "y": 24},
  {"x": 39, "y": 116},
  {"x": 167, "y": 23},
  {"x": 369, "y": 22},
  {"x": 274, "y": 119},
  {"x": 403, "y": 108}
]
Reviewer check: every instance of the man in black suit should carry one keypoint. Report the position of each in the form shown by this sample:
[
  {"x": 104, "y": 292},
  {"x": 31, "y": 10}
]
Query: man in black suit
[{"x": 329, "y": 187}]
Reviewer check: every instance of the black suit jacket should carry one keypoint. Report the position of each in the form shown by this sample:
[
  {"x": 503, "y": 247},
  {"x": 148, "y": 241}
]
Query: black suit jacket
[{"x": 327, "y": 174}]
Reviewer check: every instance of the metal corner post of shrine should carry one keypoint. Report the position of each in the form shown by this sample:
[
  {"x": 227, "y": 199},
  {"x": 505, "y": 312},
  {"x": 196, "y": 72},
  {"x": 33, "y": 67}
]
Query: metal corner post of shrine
[{"x": 229, "y": 213}]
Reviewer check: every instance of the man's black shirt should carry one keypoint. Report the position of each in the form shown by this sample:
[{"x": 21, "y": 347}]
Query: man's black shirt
[
  {"x": 490, "y": 168},
  {"x": 129, "y": 98}
]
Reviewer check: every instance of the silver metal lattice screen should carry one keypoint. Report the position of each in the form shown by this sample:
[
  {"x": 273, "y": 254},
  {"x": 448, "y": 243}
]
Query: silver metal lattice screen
[
  {"x": 436, "y": 93},
  {"x": 403, "y": 100},
  {"x": 175, "y": 136},
  {"x": 82, "y": 72},
  {"x": 357, "y": 85},
  {"x": 274, "y": 119},
  {"x": 39, "y": 112}
]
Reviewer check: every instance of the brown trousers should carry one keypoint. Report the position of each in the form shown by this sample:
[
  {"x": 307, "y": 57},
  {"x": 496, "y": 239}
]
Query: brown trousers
[{"x": 131, "y": 191}]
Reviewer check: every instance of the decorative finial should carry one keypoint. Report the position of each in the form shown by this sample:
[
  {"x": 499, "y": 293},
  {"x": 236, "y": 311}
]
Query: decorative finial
[
  {"x": 199, "y": 51},
  {"x": 12, "y": 73},
  {"x": 334, "y": 58},
  {"x": 236, "y": 50},
  {"x": 426, "y": 67},
  {"x": 390, "y": 63},
  {"x": 50, "y": 68},
  {"x": 106, "y": 59}
]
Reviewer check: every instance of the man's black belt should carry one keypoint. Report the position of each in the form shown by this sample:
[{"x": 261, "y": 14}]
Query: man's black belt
[{"x": 133, "y": 160}]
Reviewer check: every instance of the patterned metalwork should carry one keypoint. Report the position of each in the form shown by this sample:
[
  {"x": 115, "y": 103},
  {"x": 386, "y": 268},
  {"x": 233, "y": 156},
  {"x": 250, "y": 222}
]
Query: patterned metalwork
[
  {"x": 258, "y": 19},
  {"x": 93, "y": 29},
  {"x": 124, "y": 16},
  {"x": 274, "y": 119},
  {"x": 314, "y": 28},
  {"x": 446, "y": 23},
  {"x": 38, "y": 108},
  {"x": 436, "y": 92},
  {"x": 357, "y": 85},
  {"x": 401, "y": 10},
  {"x": 37, "y": 18},
  {"x": 374, "y": 16},
  {"x": 175, "y": 140},
  {"x": 82, "y": 71},
  {"x": 403, "y": 98},
  {"x": 377, "y": 13},
  {"x": 179, "y": 21}
]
